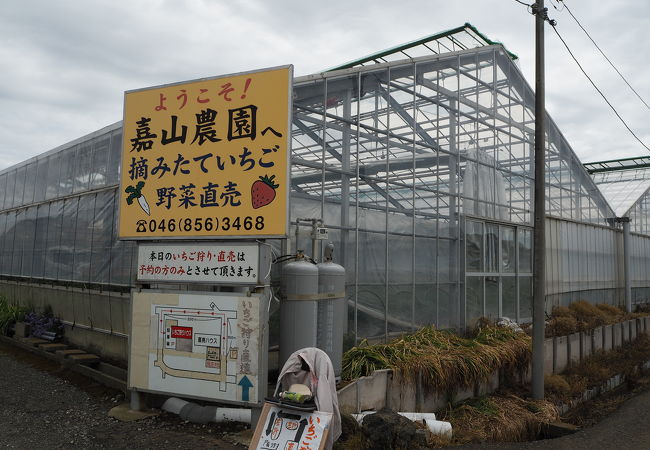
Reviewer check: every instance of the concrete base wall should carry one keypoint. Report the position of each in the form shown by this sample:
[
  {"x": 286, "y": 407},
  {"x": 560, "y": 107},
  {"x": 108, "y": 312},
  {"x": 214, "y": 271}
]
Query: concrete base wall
[
  {"x": 95, "y": 321},
  {"x": 388, "y": 388}
]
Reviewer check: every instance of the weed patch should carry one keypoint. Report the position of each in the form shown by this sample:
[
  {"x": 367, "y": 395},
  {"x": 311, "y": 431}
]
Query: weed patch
[{"x": 443, "y": 359}]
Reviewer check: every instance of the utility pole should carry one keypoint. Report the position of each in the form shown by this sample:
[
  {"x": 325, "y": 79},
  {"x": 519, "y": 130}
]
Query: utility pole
[{"x": 539, "y": 236}]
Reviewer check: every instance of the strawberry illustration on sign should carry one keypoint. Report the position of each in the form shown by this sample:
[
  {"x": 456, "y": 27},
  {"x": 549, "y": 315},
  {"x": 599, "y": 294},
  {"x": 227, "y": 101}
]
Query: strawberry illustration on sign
[{"x": 263, "y": 191}]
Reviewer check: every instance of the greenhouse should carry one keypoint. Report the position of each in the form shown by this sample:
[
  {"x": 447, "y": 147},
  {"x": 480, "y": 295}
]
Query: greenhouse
[{"x": 419, "y": 161}]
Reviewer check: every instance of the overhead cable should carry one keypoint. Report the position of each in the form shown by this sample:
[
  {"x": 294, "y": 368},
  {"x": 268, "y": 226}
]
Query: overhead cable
[
  {"x": 603, "y": 53},
  {"x": 598, "y": 90}
]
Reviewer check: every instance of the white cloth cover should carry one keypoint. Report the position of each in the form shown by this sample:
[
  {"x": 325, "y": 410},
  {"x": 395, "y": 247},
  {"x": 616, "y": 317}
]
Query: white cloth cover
[{"x": 320, "y": 380}]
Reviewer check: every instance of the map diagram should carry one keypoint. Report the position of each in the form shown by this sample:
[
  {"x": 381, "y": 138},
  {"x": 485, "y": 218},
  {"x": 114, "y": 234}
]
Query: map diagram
[{"x": 197, "y": 344}]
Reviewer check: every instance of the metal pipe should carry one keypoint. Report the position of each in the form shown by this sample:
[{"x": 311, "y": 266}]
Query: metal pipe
[
  {"x": 627, "y": 258},
  {"x": 539, "y": 246},
  {"x": 98, "y": 330},
  {"x": 135, "y": 403}
]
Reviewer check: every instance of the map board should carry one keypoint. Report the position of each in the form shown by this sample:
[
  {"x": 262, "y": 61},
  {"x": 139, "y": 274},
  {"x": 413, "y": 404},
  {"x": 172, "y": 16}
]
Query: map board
[
  {"x": 207, "y": 158},
  {"x": 225, "y": 263},
  {"x": 202, "y": 345}
]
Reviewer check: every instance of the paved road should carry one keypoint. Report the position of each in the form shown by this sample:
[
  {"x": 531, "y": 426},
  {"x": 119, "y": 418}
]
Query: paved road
[{"x": 44, "y": 406}]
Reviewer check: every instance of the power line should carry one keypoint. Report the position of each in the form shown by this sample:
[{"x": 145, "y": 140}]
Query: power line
[
  {"x": 596, "y": 87},
  {"x": 602, "y": 53}
]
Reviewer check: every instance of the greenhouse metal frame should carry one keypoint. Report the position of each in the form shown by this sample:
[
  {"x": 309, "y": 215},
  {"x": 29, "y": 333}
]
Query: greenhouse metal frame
[{"x": 421, "y": 168}]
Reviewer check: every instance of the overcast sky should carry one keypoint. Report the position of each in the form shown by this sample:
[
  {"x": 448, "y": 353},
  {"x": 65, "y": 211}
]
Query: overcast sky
[{"x": 65, "y": 64}]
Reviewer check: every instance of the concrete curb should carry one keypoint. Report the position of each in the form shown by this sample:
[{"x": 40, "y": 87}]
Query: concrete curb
[{"x": 107, "y": 375}]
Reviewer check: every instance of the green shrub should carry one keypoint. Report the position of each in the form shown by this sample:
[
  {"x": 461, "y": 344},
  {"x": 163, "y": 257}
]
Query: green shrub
[{"x": 10, "y": 314}]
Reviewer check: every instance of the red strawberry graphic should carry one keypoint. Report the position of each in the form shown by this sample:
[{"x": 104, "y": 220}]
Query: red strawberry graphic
[{"x": 263, "y": 191}]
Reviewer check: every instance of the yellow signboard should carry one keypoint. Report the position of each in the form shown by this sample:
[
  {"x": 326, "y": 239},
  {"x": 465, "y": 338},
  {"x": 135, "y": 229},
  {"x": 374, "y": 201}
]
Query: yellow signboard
[{"x": 207, "y": 158}]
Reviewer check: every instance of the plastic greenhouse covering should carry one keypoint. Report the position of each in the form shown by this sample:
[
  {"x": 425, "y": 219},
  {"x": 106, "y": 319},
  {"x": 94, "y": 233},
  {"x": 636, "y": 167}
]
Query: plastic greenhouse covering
[{"x": 420, "y": 168}]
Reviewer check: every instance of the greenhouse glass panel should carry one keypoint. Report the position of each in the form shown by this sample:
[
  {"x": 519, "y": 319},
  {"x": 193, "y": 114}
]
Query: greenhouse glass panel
[
  {"x": 54, "y": 230},
  {"x": 474, "y": 299},
  {"x": 19, "y": 241},
  {"x": 3, "y": 189},
  {"x": 19, "y": 187},
  {"x": 65, "y": 256},
  {"x": 4, "y": 255},
  {"x": 40, "y": 240},
  {"x": 66, "y": 179},
  {"x": 9, "y": 193},
  {"x": 41, "y": 179},
  {"x": 115, "y": 154},
  {"x": 491, "y": 247},
  {"x": 508, "y": 250},
  {"x": 28, "y": 232},
  {"x": 509, "y": 297},
  {"x": 492, "y": 297},
  {"x": 474, "y": 246},
  {"x": 83, "y": 238},
  {"x": 30, "y": 184},
  {"x": 99, "y": 166},
  {"x": 82, "y": 167},
  {"x": 525, "y": 298},
  {"x": 525, "y": 244},
  {"x": 53, "y": 175}
]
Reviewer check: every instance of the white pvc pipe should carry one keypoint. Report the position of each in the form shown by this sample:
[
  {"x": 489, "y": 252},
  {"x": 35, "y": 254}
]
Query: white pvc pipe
[
  {"x": 175, "y": 405},
  {"x": 242, "y": 415},
  {"x": 417, "y": 416},
  {"x": 439, "y": 428}
]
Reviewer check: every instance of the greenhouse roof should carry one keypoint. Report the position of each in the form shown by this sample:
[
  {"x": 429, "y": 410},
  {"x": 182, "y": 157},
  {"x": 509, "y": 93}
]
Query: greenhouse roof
[
  {"x": 622, "y": 181},
  {"x": 459, "y": 38}
]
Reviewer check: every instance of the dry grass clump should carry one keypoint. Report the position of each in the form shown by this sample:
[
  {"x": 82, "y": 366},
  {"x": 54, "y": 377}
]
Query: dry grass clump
[
  {"x": 561, "y": 326},
  {"x": 500, "y": 418},
  {"x": 613, "y": 312},
  {"x": 443, "y": 360},
  {"x": 582, "y": 315},
  {"x": 561, "y": 311},
  {"x": 556, "y": 385},
  {"x": 588, "y": 315}
]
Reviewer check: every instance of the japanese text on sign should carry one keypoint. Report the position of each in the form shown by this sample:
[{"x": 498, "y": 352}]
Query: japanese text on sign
[
  {"x": 207, "y": 158},
  {"x": 290, "y": 429},
  {"x": 235, "y": 263}
]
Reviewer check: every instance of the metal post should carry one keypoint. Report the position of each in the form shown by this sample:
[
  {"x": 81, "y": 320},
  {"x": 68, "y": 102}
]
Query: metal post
[
  {"x": 266, "y": 259},
  {"x": 135, "y": 402},
  {"x": 626, "y": 262},
  {"x": 457, "y": 305},
  {"x": 539, "y": 245}
]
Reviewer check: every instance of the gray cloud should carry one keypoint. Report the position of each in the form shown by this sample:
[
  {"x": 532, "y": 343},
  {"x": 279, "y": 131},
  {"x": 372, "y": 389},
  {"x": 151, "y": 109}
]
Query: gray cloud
[{"x": 66, "y": 64}]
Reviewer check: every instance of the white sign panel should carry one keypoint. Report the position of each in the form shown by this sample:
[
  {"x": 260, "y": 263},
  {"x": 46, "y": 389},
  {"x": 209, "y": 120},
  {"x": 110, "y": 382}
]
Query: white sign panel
[
  {"x": 289, "y": 429},
  {"x": 222, "y": 263},
  {"x": 199, "y": 345}
]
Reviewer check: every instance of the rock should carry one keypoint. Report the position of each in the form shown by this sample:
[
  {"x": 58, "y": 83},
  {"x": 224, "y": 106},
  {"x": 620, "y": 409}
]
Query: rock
[
  {"x": 388, "y": 430},
  {"x": 349, "y": 427},
  {"x": 505, "y": 322}
]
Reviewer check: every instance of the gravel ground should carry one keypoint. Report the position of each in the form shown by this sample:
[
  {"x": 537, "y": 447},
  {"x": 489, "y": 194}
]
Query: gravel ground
[{"x": 46, "y": 406}]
